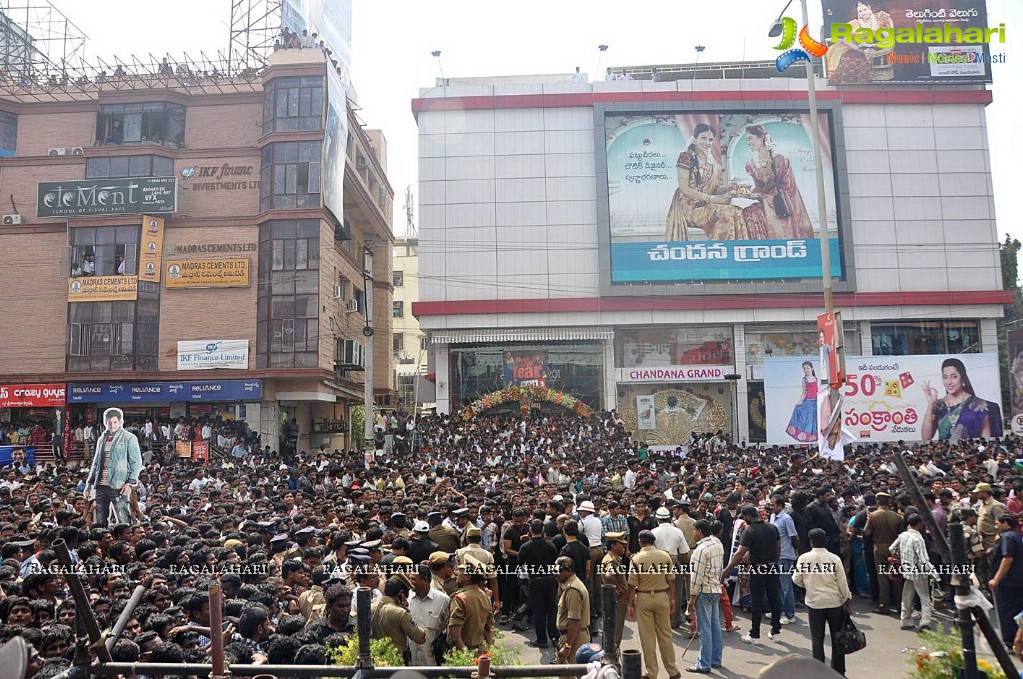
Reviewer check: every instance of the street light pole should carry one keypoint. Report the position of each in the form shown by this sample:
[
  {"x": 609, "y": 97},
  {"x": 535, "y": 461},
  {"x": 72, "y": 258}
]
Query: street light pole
[
  {"x": 822, "y": 202},
  {"x": 367, "y": 332}
]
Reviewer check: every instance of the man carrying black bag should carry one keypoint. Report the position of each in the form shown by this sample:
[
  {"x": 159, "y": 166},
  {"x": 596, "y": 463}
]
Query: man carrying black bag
[{"x": 828, "y": 599}]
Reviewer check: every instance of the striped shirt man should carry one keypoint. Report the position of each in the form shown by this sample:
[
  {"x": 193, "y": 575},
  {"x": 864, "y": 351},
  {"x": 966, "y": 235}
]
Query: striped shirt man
[{"x": 706, "y": 563}]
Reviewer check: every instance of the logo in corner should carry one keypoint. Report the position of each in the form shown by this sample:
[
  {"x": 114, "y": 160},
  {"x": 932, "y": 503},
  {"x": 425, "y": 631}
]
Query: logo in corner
[
  {"x": 187, "y": 172},
  {"x": 810, "y": 47},
  {"x": 212, "y": 346}
]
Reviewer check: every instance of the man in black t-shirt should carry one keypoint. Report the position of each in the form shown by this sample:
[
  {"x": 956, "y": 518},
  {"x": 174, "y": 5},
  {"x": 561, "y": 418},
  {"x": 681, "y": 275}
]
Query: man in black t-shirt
[
  {"x": 762, "y": 542},
  {"x": 574, "y": 550},
  {"x": 511, "y": 542},
  {"x": 1007, "y": 583},
  {"x": 538, "y": 556}
]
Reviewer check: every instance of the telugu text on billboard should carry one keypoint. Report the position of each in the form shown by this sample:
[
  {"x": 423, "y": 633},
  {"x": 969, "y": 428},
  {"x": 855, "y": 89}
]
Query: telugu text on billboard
[
  {"x": 102, "y": 288},
  {"x": 94, "y": 197},
  {"x": 900, "y": 41},
  {"x": 718, "y": 196},
  {"x": 207, "y": 273},
  {"x": 890, "y": 398}
]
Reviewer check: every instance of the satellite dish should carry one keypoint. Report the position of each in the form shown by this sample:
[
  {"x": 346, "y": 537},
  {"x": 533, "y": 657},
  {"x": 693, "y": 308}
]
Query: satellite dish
[{"x": 14, "y": 657}]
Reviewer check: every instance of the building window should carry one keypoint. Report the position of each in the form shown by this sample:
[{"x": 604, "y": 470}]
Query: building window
[
  {"x": 104, "y": 251},
  {"x": 290, "y": 175},
  {"x": 423, "y": 343},
  {"x": 925, "y": 337},
  {"x": 128, "y": 166},
  {"x": 398, "y": 279},
  {"x": 294, "y": 103},
  {"x": 287, "y": 307},
  {"x": 660, "y": 347},
  {"x": 114, "y": 336},
  {"x": 397, "y": 343},
  {"x": 8, "y": 133},
  {"x": 129, "y": 124},
  {"x": 398, "y": 309}
]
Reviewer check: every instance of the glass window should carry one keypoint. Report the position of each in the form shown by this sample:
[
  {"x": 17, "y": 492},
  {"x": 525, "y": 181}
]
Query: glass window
[
  {"x": 129, "y": 166},
  {"x": 290, "y": 175},
  {"x": 153, "y": 123},
  {"x": 293, "y": 103},
  {"x": 398, "y": 309},
  {"x": 287, "y": 309},
  {"x": 397, "y": 343},
  {"x": 659, "y": 347},
  {"x": 925, "y": 337},
  {"x": 398, "y": 279},
  {"x": 8, "y": 133},
  {"x": 104, "y": 251}
]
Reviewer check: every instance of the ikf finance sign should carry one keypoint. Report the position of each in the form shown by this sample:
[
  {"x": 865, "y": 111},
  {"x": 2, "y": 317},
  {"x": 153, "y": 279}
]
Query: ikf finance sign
[{"x": 213, "y": 355}]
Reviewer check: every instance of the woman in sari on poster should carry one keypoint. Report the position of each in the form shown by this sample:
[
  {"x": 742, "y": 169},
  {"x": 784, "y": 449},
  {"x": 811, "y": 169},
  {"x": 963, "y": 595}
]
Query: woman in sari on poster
[
  {"x": 703, "y": 199},
  {"x": 784, "y": 212}
]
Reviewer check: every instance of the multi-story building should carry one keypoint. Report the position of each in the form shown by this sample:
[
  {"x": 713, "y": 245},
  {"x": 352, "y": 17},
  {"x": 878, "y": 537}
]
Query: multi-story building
[
  {"x": 169, "y": 250},
  {"x": 634, "y": 243},
  {"x": 409, "y": 341}
]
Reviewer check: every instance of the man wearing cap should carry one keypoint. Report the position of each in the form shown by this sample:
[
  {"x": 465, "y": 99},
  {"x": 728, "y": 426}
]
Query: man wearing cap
[
  {"x": 115, "y": 469},
  {"x": 988, "y": 513},
  {"x": 471, "y": 623},
  {"x": 884, "y": 525},
  {"x": 420, "y": 547},
  {"x": 591, "y": 526},
  {"x": 474, "y": 536},
  {"x": 390, "y": 619},
  {"x": 573, "y": 610},
  {"x": 613, "y": 573},
  {"x": 670, "y": 539},
  {"x": 442, "y": 567},
  {"x": 650, "y": 578}
]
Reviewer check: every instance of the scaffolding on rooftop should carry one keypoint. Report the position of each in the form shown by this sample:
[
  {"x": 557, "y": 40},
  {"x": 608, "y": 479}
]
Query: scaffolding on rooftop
[{"x": 43, "y": 57}]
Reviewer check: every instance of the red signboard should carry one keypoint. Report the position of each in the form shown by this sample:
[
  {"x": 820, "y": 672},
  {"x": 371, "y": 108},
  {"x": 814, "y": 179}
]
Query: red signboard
[
  {"x": 201, "y": 451},
  {"x": 33, "y": 395}
]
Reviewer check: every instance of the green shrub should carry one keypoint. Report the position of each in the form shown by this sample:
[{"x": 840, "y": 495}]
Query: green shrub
[{"x": 383, "y": 651}]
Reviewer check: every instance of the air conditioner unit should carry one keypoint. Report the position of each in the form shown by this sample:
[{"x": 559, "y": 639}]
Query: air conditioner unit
[
  {"x": 339, "y": 292},
  {"x": 351, "y": 306},
  {"x": 12, "y": 220},
  {"x": 78, "y": 151},
  {"x": 360, "y": 162},
  {"x": 57, "y": 151}
]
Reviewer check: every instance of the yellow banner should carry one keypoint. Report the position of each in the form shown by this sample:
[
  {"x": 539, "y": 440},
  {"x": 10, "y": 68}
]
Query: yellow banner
[
  {"x": 103, "y": 289},
  {"x": 151, "y": 256},
  {"x": 207, "y": 273}
]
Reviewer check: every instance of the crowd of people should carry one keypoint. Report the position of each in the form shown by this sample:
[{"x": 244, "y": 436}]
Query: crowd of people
[{"x": 461, "y": 528}]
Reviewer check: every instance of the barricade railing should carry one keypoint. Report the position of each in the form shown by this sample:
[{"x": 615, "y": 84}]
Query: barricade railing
[{"x": 629, "y": 665}]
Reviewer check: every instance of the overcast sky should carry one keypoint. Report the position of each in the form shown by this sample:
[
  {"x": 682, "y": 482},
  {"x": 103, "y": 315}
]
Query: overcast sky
[{"x": 392, "y": 41}]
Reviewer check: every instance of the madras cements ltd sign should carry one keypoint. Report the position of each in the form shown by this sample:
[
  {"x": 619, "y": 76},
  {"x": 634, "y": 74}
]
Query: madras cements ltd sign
[{"x": 95, "y": 197}]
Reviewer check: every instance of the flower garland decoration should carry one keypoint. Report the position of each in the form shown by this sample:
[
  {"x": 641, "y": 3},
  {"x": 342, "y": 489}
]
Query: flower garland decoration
[{"x": 522, "y": 394}]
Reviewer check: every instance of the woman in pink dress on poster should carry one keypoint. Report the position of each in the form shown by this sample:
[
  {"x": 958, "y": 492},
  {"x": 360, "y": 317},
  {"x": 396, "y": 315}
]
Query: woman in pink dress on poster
[{"x": 774, "y": 183}]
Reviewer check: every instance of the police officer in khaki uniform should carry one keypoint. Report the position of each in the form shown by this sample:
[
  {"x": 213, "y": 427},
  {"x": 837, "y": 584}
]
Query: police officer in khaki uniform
[
  {"x": 390, "y": 618},
  {"x": 446, "y": 537},
  {"x": 884, "y": 525},
  {"x": 652, "y": 600},
  {"x": 442, "y": 566},
  {"x": 471, "y": 623},
  {"x": 612, "y": 570},
  {"x": 474, "y": 538},
  {"x": 573, "y": 610}
]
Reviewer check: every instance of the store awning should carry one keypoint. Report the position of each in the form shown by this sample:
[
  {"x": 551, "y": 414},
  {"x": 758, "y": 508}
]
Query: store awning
[{"x": 501, "y": 335}]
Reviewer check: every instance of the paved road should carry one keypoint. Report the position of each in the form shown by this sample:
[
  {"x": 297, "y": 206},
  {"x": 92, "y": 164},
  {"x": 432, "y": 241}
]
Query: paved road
[{"x": 883, "y": 656}]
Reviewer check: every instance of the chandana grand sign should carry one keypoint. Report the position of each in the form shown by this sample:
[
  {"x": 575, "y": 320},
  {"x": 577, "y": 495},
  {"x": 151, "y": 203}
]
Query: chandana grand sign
[
  {"x": 90, "y": 197},
  {"x": 676, "y": 373}
]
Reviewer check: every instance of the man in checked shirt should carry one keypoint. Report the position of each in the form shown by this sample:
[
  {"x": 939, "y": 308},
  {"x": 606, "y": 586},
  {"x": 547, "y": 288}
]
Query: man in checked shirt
[{"x": 706, "y": 563}]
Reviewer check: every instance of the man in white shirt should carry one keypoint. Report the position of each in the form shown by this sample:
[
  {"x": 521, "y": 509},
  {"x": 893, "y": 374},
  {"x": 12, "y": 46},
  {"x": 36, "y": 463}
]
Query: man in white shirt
[
  {"x": 672, "y": 540},
  {"x": 429, "y": 608},
  {"x": 577, "y": 77},
  {"x": 199, "y": 482},
  {"x": 828, "y": 600}
]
